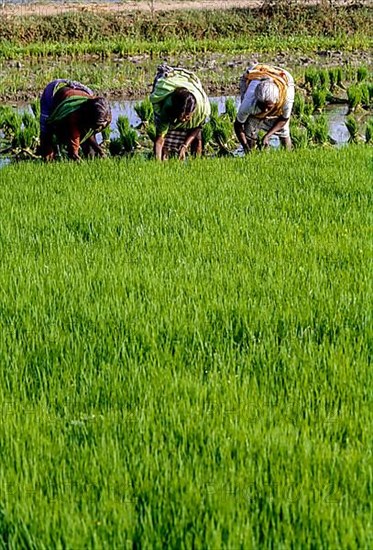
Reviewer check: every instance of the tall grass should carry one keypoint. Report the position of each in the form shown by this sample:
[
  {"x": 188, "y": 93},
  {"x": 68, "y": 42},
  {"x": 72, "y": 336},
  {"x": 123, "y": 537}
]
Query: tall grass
[{"x": 185, "y": 353}]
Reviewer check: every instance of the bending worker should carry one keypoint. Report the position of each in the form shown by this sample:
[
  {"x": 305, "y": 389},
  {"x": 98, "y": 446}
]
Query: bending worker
[
  {"x": 181, "y": 107},
  {"x": 73, "y": 114},
  {"x": 267, "y": 97}
]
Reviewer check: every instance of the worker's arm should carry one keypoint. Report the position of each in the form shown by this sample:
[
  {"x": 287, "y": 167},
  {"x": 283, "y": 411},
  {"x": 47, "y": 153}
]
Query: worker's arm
[
  {"x": 276, "y": 128},
  {"x": 72, "y": 133},
  {"x": 241, "y": 136},
  {"x": 191, "y": 136},
  {"x": 92, "y": 143},
  {"x": 158, "y": 147},
  {"x": 46, "y": 145}
]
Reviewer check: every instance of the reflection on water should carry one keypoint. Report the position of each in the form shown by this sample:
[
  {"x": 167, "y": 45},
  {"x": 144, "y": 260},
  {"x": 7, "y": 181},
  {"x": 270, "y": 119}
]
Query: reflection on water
[{"x": 4, "y": 161}]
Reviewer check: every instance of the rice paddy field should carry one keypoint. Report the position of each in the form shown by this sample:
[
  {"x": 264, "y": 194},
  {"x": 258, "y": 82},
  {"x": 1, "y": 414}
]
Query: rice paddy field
[
  {"x": 186, "y": 352},
  {"x": 185, "y": 347}
]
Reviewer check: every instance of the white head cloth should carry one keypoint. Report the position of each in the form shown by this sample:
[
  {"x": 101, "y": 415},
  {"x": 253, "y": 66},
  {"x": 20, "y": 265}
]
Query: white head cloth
[{"x": 267, "y": 91}]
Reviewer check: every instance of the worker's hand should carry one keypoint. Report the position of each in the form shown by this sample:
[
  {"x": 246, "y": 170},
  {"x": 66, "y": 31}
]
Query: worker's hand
[
  {"x": 182, "y": 152},
  {"x": 266, "y": 139}
]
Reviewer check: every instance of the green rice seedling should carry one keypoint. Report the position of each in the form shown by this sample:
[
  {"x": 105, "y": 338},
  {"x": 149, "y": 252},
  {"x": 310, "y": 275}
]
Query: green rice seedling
[
  {"x": 214, "y": 109},
  {"x": 369, "y": 131},
  {"x": 309, "y": 123},
  {"x": 151, "y": 131},
  {"x": 365, "y": 95},
  {"x": 362, "y": 73},
  {"x": 144, "y": 110},
  {"x": 312, "y": 78},
  {"x": 308, "y": 107},
  {"x": 324, "y": 78},
  {"x": 29, "y": 121},
  {"x": 350, "y": 73},
  {"x": 222, "y": 134},
  {"x": 24, "y": 139},
  {"x": 11, "y": 121},
  {"x": 106, "y": 133},
  {"x": 230, "y": 109},
  {"x": 354, "y": 96},
  {"x": 353, "y": 128},
  {"x": 299, "y": 135},
  {"x": 333, "y": 77},
  {"x": 115, "y": 147},
  {"x": 319, "y": 98},
  {"x": 299, "y": 103},
  {"x": 35, "y": 107},
  {"x": 207, "y": 134},
  {"x": 128, "y": 137},
  {"x": 321, "y": 131}
]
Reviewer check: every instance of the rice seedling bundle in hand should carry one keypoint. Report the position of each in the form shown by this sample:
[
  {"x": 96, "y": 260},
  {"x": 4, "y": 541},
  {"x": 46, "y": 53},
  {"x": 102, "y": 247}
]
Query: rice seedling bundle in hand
[
  {"x": 144, "y": 110},
  {"x": 353, "y": 129}
]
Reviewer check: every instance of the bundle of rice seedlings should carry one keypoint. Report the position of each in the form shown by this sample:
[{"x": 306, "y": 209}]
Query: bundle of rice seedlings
[
  {"x": 353, "y": 128},
  {"x": 151, "y": 131},
  {"x": 311, "y": 78},
  {"x": 106, "y": 133},
  {"x": 308, "y": 108},
  {"x": 207, "y": 134},
  {"x": 115, "y": 147},
  {"x": 299, "y": 103},
  {"x": 309, "y": 124},
  {"x": 333, "y": 77},
  {"x": 324, "y": 78},
  {"x": 354, "y": 96},
  {"x": 144, "y": 110},
  {"x": 10, "y": 122},
  {"x": 350, "y": 73},
  {"x": 365, "y": 95},
  {"x": 214, "y": 110},
  {"x": 230, "y": 109},
  {"x": 299, "y": 136},
  {"x": 222, "y": 134},
  {"x": 24, "y": 139},
  {"x": 362, "y": 73},
  {"x": 319, "y": 97},
  {"x": 340, "y": 76},
  {"x": 35, "y": 107},
  {"x": 369, "y": 131},
  {"x": 128, "y": 136},
  {"x": 31, "y": 123},
  {"x": 321, "y": 131}
]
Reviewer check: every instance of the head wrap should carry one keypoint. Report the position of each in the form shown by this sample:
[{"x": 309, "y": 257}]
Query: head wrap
[{"x": 267, "y": 91}]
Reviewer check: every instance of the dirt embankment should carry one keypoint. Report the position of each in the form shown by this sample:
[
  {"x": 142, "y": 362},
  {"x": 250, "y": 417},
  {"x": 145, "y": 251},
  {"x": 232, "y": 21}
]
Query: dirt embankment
[{"x": 151, "y": 6}]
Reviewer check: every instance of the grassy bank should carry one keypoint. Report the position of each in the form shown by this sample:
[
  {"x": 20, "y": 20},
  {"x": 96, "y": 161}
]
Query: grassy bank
[
  {"x": 288, "y": 20},
  {"x": 185, "y": 353}
]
